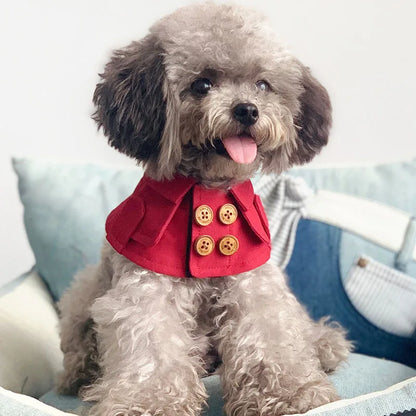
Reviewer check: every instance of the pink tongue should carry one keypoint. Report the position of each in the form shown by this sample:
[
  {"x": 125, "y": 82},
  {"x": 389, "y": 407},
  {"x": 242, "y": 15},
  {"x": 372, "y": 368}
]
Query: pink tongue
[{"x": 242, "y": 149}]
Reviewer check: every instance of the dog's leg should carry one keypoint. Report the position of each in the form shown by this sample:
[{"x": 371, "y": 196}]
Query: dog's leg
[
  {"x": 149, "y": 349},
  {"x": 271, "y": 363},
  {"x": 331, "y": 344},
  {"x": 78, "y": 341}
]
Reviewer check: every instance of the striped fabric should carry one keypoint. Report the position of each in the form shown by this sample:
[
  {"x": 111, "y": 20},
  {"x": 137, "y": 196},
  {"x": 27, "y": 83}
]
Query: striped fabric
[
  {"x": 383, "y": 295},
  {"x": 284, "y": 200}
]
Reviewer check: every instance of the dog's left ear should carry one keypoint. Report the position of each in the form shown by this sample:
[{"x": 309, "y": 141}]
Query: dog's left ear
[
  {"x": 313, "y": 121},
  {"x": 136, "y": 108}
]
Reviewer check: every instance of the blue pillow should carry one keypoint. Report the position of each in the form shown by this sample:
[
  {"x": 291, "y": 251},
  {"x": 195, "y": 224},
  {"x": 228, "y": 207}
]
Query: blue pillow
[{"x": 65, "y": 207}]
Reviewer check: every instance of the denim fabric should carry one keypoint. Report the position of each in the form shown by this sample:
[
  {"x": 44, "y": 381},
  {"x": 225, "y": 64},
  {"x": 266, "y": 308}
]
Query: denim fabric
[{"x": 314, "y": 276}]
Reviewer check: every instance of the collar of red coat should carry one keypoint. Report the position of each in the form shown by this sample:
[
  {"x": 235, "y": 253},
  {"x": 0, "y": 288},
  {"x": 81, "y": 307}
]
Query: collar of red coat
[{"x": 174, "y": 190}]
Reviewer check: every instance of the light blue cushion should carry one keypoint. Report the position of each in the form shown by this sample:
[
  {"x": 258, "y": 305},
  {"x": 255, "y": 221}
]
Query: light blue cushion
[
  {"x": 391, "y": 183},
  {"x": 66, "y": 205},
  {"x": 360, "y": 375}
]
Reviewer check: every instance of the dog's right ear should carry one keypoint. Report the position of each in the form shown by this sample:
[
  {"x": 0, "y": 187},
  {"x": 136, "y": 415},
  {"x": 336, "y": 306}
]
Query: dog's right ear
[
  {"x": 313, "y": 121},
  {"x": 130, "y": 100}
]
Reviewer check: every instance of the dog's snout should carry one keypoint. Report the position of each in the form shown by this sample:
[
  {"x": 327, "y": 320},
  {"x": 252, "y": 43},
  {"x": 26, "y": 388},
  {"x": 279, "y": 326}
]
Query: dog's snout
[{"x": 246, "y": 113}]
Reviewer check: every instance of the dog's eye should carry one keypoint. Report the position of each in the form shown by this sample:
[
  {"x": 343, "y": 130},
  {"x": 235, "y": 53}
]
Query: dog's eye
[
  {"x": 201, "y": 86},
  {"x": 263, "y": 85}
]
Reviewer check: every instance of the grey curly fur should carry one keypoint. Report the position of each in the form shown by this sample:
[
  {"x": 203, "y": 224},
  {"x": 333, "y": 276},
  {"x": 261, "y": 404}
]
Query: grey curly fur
[{"x": 138, "y": 342}]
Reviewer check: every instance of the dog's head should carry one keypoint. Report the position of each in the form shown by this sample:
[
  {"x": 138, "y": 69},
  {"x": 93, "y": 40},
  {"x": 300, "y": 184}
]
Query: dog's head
[{"x": 210, "y": 92}]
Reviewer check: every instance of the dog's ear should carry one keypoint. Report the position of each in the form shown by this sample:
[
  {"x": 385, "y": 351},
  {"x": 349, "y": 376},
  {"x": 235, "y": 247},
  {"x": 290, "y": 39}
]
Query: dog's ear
[
  {"x": 313, "y": 121},
  {"x": 130, "y": 100}
]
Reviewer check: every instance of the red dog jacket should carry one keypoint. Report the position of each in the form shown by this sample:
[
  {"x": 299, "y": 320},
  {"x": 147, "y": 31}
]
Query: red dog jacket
[{"x": 182, "y": 229}]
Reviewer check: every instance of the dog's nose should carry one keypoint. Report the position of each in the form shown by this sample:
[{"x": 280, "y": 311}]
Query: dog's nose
[{"x": 246, "y": 113}]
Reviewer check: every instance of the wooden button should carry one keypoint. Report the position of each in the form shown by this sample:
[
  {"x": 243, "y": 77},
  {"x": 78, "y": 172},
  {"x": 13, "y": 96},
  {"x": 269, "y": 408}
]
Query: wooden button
[
  {"x": 204, "y": 215},
  {"x": 204, "y": 245},
  {"x": 228, "y": 214},
  {"x": 362, "y": 262},
  {"x": 228, "y": 245}
]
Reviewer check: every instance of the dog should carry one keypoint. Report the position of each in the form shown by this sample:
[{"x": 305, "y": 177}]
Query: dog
[{"x": 205, "y": 100}]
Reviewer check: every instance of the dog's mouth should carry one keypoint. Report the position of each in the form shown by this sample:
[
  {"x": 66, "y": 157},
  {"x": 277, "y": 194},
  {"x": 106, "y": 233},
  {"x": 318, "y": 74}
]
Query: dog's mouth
[{"x": 241, "y": 148}]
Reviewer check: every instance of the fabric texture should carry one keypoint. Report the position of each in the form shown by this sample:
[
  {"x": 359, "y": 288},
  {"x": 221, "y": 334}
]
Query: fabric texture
[{"x": 163, "y": 217}]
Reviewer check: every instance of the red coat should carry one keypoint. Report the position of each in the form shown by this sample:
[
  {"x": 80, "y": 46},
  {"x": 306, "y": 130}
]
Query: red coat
[{"x": 182, "y": 229}]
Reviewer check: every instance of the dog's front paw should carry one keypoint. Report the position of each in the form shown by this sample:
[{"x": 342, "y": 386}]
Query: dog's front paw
[
  {"x": 107, "y": 408},
  {"x": 282, "y": 401},
  {"x": 110, "y": 409},
  {"x": 311, "y": 397},
  {"x": 164, "y": 402}
]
